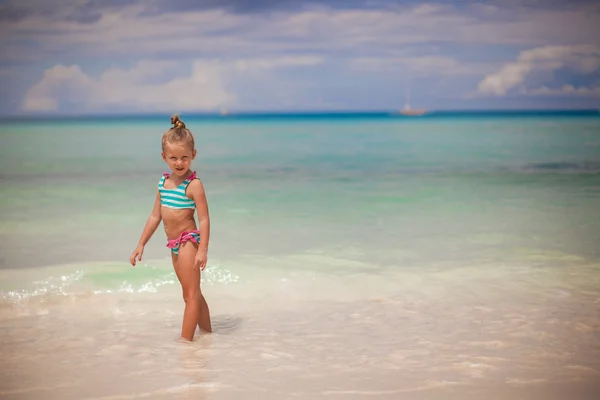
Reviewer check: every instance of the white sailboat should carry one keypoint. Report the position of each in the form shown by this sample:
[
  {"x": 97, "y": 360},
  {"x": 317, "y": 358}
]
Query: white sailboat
[{"x": 407, "y": 110}]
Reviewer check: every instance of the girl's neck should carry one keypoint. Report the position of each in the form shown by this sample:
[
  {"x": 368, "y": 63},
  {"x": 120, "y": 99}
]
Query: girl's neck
[{"x": 179, "y": 179}]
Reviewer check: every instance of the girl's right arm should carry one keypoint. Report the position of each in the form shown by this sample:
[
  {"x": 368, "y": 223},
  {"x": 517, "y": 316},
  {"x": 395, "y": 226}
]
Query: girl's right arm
[{"x": 149, "y": 229}]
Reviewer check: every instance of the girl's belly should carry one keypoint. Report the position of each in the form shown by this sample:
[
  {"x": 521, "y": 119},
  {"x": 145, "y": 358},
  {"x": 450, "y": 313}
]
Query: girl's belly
[{"x": 177, "y": 221}]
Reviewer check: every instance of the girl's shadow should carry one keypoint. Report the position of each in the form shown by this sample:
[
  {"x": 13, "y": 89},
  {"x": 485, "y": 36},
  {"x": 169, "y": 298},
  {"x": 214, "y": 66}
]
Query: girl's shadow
[{"x": 225, "y": 324}]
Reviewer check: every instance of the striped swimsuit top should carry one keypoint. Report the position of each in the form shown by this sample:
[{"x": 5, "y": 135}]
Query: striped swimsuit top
[{"x": 176, "y": 198}]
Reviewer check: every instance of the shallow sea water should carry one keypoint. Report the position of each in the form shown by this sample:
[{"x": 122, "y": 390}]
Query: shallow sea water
[{"x": 447, "y": 258}]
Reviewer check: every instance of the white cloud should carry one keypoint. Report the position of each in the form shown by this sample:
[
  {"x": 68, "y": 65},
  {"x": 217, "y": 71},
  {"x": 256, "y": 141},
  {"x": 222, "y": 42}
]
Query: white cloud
[
  {"x": 245, "y": 48},
  {"x": 564, "y": 90},
  {"x": 123, "y": 31},
  {"x": 207, "y": 87},
  {"x": 582, "y": 58},
  {"x": 284, "y": 61},
  {"x": 420, "y": 65},
  {"x": 64, "y": 86}
]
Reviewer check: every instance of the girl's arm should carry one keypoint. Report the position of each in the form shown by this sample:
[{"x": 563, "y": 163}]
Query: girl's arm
[
  {"x": 149, "y": 229},
  {"x": 152, "y": 223},
  {"x": 196, "y": 189}
]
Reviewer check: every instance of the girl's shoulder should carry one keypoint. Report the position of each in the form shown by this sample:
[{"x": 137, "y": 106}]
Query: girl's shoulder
[{"x": 195, "y": 184}]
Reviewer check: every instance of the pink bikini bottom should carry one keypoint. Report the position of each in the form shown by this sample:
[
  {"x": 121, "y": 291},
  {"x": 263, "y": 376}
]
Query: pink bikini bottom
[{"x": 174, "y": 244}]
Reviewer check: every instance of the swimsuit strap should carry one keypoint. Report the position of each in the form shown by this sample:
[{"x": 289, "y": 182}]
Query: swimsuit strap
[
  {"x": 191, "y": 177},
  {"x": 186, "y": 181},
  {"x": 161, "y": 182}
]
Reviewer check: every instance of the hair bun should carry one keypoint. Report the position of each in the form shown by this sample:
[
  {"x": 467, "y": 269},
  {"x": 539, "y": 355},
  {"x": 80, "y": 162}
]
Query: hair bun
[{"x": 177, "y": 123}]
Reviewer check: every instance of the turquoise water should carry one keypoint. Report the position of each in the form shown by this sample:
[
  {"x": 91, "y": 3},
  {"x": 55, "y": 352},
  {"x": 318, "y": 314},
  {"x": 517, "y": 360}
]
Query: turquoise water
[
  {"x": 408, "y": 223},
  {"x": 437, "y": 188}
]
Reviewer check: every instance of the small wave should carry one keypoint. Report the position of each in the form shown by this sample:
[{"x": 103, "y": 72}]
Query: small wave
[
  {"x": 585, "y": 166},
  {"x": 50, "y": 284},
  {"x": 55, "y": 285}
]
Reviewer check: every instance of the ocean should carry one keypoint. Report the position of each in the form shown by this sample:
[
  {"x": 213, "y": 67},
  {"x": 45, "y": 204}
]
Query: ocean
[{"x": 454, "y": 255}]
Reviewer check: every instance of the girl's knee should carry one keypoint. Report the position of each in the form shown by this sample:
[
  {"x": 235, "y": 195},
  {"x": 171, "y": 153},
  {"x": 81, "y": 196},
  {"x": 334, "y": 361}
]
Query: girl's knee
[{"x": 191, "y": 295}]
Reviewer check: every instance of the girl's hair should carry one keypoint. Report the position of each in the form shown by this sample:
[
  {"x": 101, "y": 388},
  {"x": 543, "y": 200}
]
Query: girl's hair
[{"x": 178, "y": 133}]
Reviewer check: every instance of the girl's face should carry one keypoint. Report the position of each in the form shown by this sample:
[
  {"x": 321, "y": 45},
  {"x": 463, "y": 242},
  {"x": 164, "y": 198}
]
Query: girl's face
[{"x": 179, "y": 157}]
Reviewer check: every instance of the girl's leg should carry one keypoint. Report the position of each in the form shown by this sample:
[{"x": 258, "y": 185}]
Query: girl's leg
[
  {"x": 196, "y": 310},
  {"x": 204, "y": 317}
]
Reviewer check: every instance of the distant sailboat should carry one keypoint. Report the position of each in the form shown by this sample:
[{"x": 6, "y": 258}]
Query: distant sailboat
[{"x": 407, "y": 110}]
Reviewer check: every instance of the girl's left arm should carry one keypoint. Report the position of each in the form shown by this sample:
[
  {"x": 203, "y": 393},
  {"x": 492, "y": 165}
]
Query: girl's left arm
[{"x": 196, "y": 190}]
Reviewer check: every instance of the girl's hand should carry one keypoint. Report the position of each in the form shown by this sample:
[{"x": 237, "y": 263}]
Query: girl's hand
[
  {"x": 200, "y": 261},
  {"x": 137, "y": 253}
]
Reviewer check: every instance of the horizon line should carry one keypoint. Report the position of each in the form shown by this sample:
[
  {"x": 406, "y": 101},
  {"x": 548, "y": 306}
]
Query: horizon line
[{"x": 340, "y": 112}]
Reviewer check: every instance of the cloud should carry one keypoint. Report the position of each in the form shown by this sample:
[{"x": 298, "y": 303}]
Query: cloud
[
  {"x": 65, "y": 87},
  {"x": 93, "y": 29},
  {"x": 285, "y": 61},
  {"x": 564, "y": 90},
  {"x": 266, "y": 53},
  {"x": 583, "y": 59},
  {"x": 420, "y": 65},
  {"x": 85, "y": 11},
  {"x": 80, "y": 11},
  {"x": 144, "y": 87}
]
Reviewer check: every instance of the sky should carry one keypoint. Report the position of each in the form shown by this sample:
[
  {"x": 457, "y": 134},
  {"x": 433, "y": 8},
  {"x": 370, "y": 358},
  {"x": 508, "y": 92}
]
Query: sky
[{"x": 177, "y": 56}]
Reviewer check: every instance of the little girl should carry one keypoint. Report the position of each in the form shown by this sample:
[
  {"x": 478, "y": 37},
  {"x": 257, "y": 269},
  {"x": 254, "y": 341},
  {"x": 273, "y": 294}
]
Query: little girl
[{"x": 177, "y": 195}]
